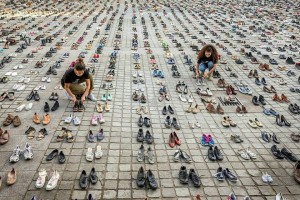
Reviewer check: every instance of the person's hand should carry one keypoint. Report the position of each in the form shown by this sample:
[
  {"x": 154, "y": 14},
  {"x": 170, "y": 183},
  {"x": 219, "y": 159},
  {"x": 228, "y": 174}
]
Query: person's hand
[
  {"x": 74, "y": 99},
  {"x": 205, "y": 75},
  {"x": 83, "y": 98},
  {"x": 197, "y": 76}
]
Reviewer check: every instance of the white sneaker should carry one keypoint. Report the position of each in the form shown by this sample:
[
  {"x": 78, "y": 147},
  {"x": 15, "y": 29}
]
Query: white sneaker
[
  {"x": 20, "y": 108},
  {"x": 16, "y": 67},
  {"x": 37, "y": 88},
  {"x": 140, "y": 74},
  {"x": 16, "y": 86},
  {"x": 27, "y": 80},
  {"x": 43, "y": 87},
  {"x": 68, "y": 120},
  {"x": 98, "y": 152},
  {"x": 182, "y": 98},
  {"x": 197, "y": 124},
  {"x": 20, "y": 66},
  {"x": 134, "y": 75},
  {"x": 28, "y": 106},
  {"x": 266, "y": 178},
  {"x": 44, "y": 79},
  {"x": 53, "y": 181},
  {"x": 27, "y": 152},
  {"x": 190, "y": 99},
  {"x": 48, "y": 79},
  {"x": 40, "y": 182},
  {"x": 14, "y": 74},
  {"x": 22, "y": 87},
  {"x": 15, "y": 157},
  {"x": 76, "y": 121},
  {"x": 89, "y": 155},
  {"x": 209, "y": 93},
  {"x": 91, "y": 97},
  {"x": 21, "y": 80}
]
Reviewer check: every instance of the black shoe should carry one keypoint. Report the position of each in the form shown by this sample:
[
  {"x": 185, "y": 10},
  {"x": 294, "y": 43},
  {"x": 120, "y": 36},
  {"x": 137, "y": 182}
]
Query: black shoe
[
  {"x": 148, "y": 137},
  {"x": 289, "y": 155},
  {"x": 294, "y": 108},
  {"x": 168, "y": 122},
  {"x": 255, "y": 100},
  {"x": 211, "y": 155},
  {"x": 220, "y": 175},
  {"x": 46, "y": 107},
  {"x": 93, "y": 176},
  {"x": 90, "y": 197},
  {"x": 164, "y": 111},
  {"x": 30, "y": 129},
  {"x": 229, "y": 175},
  {"x": 61, "y": 157},
  {"x": 147, "y": 122},
  {"x": 265, "y": 136},
  {"x": 194, "y": 178},
  {"x": 36, "y": 96},
  {"x": 151, "y": 180},
  {"x": 183, "y": 175},
  {"x": 140, "y": 181},
  {"x": 278, "y": 120},
  {"x": 185, "y": 156},
  {"x": 30, "y": 96},
  {"x": 276, "y": 152},
  {"x": 284, "y": 121},
  {"x": 175, "y": 123},
  {"x": 80, "y": 106},
  {"x": 51, "y": 98},
  {"x": 55, "y": 106},
  {"x": 218, "y": 153},
  {"x": 141, "y": 121},
  {"x": 52, "y": 155},
  {"x": 55, "y": 97},
  {"x": 263, "y": 81},
  {"x": 261, "y": 99},
  {"x": 275, "y": 139},
  {"x": 83, "y": 180},
  {"x": 170, "y": 109},
  {"x": 140, "y": 135}
]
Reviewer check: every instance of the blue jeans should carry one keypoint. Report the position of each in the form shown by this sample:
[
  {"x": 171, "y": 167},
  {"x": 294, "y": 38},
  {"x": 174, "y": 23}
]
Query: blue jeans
[{"x": 204, "y": 66}]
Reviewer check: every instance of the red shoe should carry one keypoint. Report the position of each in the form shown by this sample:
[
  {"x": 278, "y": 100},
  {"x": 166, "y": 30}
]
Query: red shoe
[
  {"x": 177, "y": 140},
  {"x": 172, "y": 140}
]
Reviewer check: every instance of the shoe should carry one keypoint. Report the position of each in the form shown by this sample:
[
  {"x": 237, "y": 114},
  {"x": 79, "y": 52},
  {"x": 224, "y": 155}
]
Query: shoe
[
  {"x": 147, "y": 122},
  {"x": 255, "y": 100},
  {"x": 289, "y": 155},
  {"x": 252, "y": 123},
  {"x": 231, "y": 196},
  {"x": 83, "y": 180},
  {"x": 267, "y": 178},
  {"x": 218, "y": 153},
  {"x": 100, "y": 135},
  {"x": 175, "y": 123},
  {"x": 172, "y": 140},
  {"x": 53, "y": 181},
  {"x": 194, "y": 178},
  {"x": 46, "y": 107},
  {"x": 98, "y": 152},
  {"x": 55, "y": 106},
  {"x": 151, "y": 180},
  {"x": 220, "y": 174},
  {"x": 11, "y": 177},
  {"x": 148, "y": 137},
  {"x": 16, "y": 121},
  {"x": 15, "y": 157},
  {"x": 61, "y": 157},
  {"x": 296, "y": 172},
  {"x": 92, "y": 97},
  {"x": 284, "y": 121},
  {"x": 150, "y": 155},
  {"x": 140, "y": 181},
  {"x": 9, "y": 119},
  {"x": 229, "y": 175},
  {"x": 141, "y": 154},
  {"x": 40, "y": 182},
  {"x": 276, "y": 152},
  {"x": 261, "y": 99},
  {"x": 46, "y": 119},
  {"x": 93, "y": 176},
  {"x": 211, "y": 156},
  {"x": 183, "y": 175},
  {"x": 90, "y": 136},
  {"x": 168, "y": 122},
  {"x": 170, "y": 109},
  {"x": 140, "y": 135},
  {"x": 27, "y": 152},
  {"x": 53, "y": 154},
  {"x": 186, "y": 158}
]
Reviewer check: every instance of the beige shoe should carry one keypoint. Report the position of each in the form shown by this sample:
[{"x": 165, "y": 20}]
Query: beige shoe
[
  {"x": 225, "y": 122},
  {"x": 106, "y": 107},
  {"x": 196, "y": 109},
  {"x": 99, "y": 107},
  {"x": 190, "y": 109},
  {"x": 46, "y": 119},
  {"x": 36, "y": 119},
  {"x": 252, "y": 123},
  {"x": 11, "y": 177}
]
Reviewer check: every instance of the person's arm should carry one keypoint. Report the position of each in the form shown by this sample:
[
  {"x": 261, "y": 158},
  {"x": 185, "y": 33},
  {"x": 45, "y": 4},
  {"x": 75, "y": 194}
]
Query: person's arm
[{"x": 67, "y": 88}]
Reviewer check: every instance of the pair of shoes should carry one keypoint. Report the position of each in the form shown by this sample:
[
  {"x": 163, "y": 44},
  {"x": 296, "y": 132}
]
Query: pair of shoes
[
  {"x": 270, "y": 111},
  {"x": 267, "y": 137},
  {"x": 100, "y": 109},
  {"x": 256, "y": 100},
  {"x": 221, "y": 175},
  {"x": 54, "y": 107},
  {"x": 283, "y": 153},
  {"x": 84, "y": 178},
  {"x": 281, "y": 98},
  {"x": 164, "y": 96},
  {"x": 95, "y": 119},
  {"x": 33, "y": 95},
  {"x": 214, "y": 154},
  {"x": 141, "y": 154},
  {"x": 65, "y": 133},
  {"x": 269, "y": 90},
  {"x": 281, "y": 120},
  {"x": 294, "y": 108},
  {"x": 241, "y": 110},
  {"x": 203, "y": 92},
  {"x": 141, "y": 109},
  {"x": 169, "y": 123},
  {"x": 53, "y": 96},
  {"x": 184, "y": 98},
  {"x": 246, "y": 154},
  {"x": 255, "y": 123},
  {"x": 54, "y": 153},
  {"x": 71, "y": 118},
  {"x": 137, "y": 97},
  {"x": 27, "y": 152},
  {"x": 78, "y": 106},
  {"x": 4, "y": 136},
  {"x": 46, "y": 119},
  {"x": 236, "y": 138},
  {"x": 106, "y": 97},
  {"x": 142, "y": 178},
  {"x": 10, "y": 119},
  {"x": 193, "y": 125},
  {"x": 144, "y": 121},
  {"x": 267, "y": 178},
  {"x": 174, "y": 139},
  {"x": 166, "y": 109},
  {"x": 227, "y": 122},
  {"x": 180, "y": 154},
  {"x": 30, "y": 132},
  {"x": 207, "y": 140},
  {"x": 89, "y": 156},
  {"x": 147, "y": 138},
  {"x": 230, "y": 90},
  {"x": 193, "y": 110},
  {"x": 184, "y": 176}
]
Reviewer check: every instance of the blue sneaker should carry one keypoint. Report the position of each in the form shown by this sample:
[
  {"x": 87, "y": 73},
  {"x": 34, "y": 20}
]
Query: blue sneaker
[
  {"x": 273, "y": 112},
  {"x": 160, "y": 74},
  {"x": 103, "y": 97},
  {"x": 155, "y": 73},
  {"x": 267, "y": 111}
]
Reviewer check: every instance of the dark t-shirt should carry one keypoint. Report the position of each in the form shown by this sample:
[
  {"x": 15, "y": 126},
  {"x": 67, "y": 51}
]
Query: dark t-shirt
[
  {"x": 206, "y": 60},
  {"x": 71, "y": 77}
]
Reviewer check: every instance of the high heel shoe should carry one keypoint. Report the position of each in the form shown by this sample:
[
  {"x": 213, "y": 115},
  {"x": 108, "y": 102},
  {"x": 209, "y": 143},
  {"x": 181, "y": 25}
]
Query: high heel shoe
[
  {"x": 284, "y": 121},
  {"x": 279, "y": 121}
]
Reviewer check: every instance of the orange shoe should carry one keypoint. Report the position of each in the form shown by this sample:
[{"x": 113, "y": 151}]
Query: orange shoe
[
  {"x": 36, "y": 119},
  {"x": 46, "y": 119}
]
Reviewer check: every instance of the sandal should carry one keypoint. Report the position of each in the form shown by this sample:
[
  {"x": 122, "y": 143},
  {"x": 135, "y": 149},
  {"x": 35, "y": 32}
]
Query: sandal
[
  {"x": 89, "y": 156},
  {"x": 70, "y": 137},
  {"x": 40, "y": 136},
  {"x": 99, "y": 107}
]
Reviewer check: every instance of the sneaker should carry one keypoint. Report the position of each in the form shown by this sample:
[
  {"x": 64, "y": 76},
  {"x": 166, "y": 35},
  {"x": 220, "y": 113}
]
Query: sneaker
[
  {"x": 91, "y": 97},
  {"x": 40, "y": 182},
  {"x": 53, "y": 181},
  {"x": 16, "y": 155},
  {"x": 27, "y": 152},
  {"x": 141, "y": 155},
  {"x": 150, "y": 155},
  {"x": 98, "y": 152}
]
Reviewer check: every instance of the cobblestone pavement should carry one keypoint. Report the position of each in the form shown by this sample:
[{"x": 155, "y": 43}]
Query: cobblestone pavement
[{"x": 118, "y": 167}]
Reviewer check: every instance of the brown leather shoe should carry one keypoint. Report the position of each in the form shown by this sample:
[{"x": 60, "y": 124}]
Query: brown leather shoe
[
  {"x": 267, "y": 67},
  {"x": 261, "y": 67},
  {"x": 11, "y": 177},
  {"x": 244, "y": 109},
  {"x": 36, "y": 119},
  {"x": 16, "y": 121},
  {"x": 46, "y": 119},
  {"x": 238, "y": 109},
  {"x": 210, "y": 108},
  {"x": 4, "y": 137},
  {"x": 220, "y": 109},
  {"x": 297, "y": 171},
  {"x": 284, "y": 98},
  {"x": 276, "y": 98},
  {"x": 9, "y": 119}
]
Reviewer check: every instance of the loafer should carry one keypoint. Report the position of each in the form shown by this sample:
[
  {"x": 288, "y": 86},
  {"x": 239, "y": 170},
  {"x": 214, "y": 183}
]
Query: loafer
[
  {"x": 55, "y": 106},
  {"x": 261, "y": 99},
  {"x": 164, "y": 111},
  {"x": 151, "y": 180},
  {"x": 141, "y": 180},
  {"x": 83, "y": 180},
  {"x": 46, "y": 107},
  {"x": 255, "y": 100},
  {"x": 61, "y": 157},
  {"x": 53, "y": 154}
]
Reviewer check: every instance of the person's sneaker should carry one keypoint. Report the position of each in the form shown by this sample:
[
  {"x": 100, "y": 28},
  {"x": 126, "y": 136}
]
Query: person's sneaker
[
  {"x": 92, "y": 97},
  {"x": 183, "y": 175},
  {"x": 16, "y": 155},
  {"x": 141, "y": 154},
  {"x": 27, "y": 152}
]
